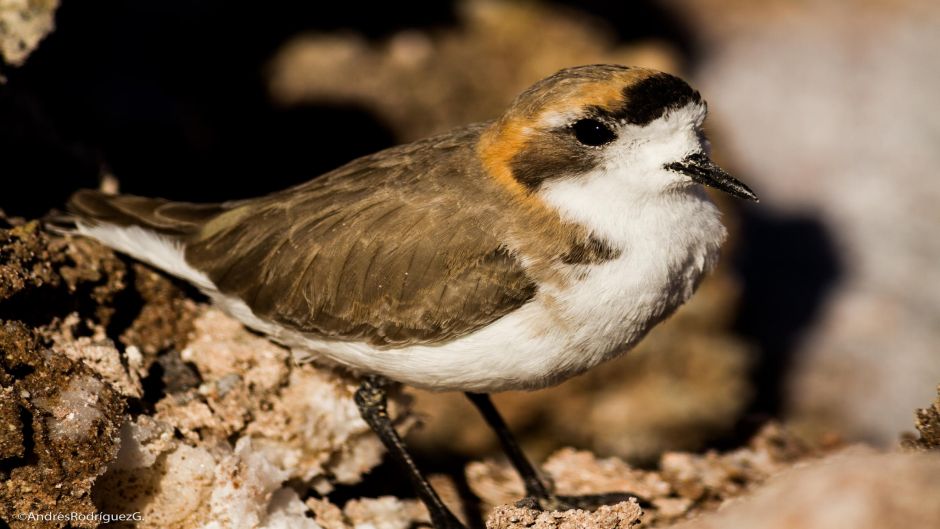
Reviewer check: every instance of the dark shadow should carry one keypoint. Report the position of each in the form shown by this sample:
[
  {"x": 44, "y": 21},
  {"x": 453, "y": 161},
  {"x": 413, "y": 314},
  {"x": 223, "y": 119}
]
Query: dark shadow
[
  {"x": 265, "y": 152},
  {"x": 41, "y": 167},
  {"x": 170, "y": 96},
  {"x": 29, "y": 457},
  {"x": 787, "y": 265}
]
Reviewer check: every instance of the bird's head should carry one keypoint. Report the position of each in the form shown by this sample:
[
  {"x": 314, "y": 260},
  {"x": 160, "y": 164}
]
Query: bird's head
[{"x": 630, "y": 130}]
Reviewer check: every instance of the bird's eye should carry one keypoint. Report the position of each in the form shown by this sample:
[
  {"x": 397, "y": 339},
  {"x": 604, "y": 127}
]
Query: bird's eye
[{"x": 592, "y": 132}]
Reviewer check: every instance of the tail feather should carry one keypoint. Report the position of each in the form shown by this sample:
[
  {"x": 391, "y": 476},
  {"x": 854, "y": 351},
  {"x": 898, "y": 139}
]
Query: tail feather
[
  {"x": 154, "y": 214},
  {"x": 153, "y": 230}
]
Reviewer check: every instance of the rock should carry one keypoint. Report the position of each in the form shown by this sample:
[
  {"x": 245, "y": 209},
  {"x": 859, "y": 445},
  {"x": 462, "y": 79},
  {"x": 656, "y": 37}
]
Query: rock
[
  {"x": 927, "y": 422},
  {"x": 620, "y": 516},
  {"x": 387, "y": 512},
  {"x": 876, "y": 491},
  {"x": 23, "y": 24},
  {"x": 99, "y": 353},
  {"x": 292, "y": 423},
  {"x": 683, "y": 482},
  {"x": 63, "y": 433}
]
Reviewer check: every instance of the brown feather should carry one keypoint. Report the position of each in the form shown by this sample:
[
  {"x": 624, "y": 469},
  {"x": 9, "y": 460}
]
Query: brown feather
[
  {"x": 157, "y": 214},
  {"x": 389, "y": 249}
]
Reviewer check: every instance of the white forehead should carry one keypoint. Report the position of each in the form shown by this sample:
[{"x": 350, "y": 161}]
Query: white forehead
[{"x": 691, "y": 114}]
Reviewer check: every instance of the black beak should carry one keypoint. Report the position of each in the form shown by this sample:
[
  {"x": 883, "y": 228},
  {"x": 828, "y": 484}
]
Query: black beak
[{"x": 701, "y": 169}]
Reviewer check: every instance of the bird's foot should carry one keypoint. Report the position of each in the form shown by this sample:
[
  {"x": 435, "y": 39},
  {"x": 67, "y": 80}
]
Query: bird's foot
[{"x": 586, "y": 502}]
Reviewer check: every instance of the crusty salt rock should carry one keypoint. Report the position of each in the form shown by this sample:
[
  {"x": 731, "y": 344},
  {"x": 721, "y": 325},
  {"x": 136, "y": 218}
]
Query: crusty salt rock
[
  {"x": 386, "y": 512},
  {"x": 579, "y": 472},
  {"x": 301, "y": 417},
  {"x": 327, "y": 515},
  {"x": 312, "y": 428},
  {"x": 171, "y": 494},
  {"x": 187, "y": 415},
  {"x": 244, "y": 484},
  {"x": 165, "y": 321},
  {"x": 718, "y": 476},
  {"x": 286, "y": 511},
  {"x": 293, "y": 422},
  {"x": 197, "y": 487},
  {"x": 683, "y": 481},
  {"x": 927, "y": 422},
  {"x": 494, "y": 483},
  {"x": 75, "y": 412},
  {"x": 620, "y": 516},
  {"x": 573, "y": 473},
  {"x": 142, "y": 441},
  {"x": 60, "y": 429},
  {"x": 100, "y": 354},
  {"x": 11, "y": 426},
  {"x": 220, "y": 346},
  {"x": 23, "y": 24}
]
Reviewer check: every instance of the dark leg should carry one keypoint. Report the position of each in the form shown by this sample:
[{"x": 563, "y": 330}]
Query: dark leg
[
  {"x": 371, "y": 397},
  {"x": 535, "y": 485},
  {"x": 538, "y": 491}
]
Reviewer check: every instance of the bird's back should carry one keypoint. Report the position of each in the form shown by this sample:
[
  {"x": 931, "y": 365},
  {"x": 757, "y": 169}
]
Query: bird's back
[{"x": 390, "y": 249}]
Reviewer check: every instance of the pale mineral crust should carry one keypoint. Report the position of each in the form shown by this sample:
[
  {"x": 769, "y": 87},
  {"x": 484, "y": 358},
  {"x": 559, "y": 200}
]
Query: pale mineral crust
[
  {"x": 683, "y": 482},
  {"x": 623, "y": 515},
  {"x": 23, "y": 24},
  {"x": 385, "y": 512},
  {"x": 255, "y": 422}
]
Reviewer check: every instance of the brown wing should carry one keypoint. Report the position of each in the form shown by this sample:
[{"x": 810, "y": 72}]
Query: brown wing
[{"x": 391, "y": 249}]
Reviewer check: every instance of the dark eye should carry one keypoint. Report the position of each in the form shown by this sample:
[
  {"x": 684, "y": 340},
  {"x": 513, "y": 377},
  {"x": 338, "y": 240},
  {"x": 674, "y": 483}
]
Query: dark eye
[{"x": 592, "y": 132}]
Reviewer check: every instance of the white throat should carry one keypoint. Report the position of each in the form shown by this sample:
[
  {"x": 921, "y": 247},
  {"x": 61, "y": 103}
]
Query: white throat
[{"x": 667, "y": 243}]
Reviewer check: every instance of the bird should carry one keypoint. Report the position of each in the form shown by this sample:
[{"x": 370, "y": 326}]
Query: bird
[{"x": 511, "y": 254}]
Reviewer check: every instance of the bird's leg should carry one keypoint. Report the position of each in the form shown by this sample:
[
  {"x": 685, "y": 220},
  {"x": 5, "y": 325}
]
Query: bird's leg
[
  {"x": 538, "y": 491},
  {"x": 372, "y": 400},
  {"x": 535, "y": 485}
]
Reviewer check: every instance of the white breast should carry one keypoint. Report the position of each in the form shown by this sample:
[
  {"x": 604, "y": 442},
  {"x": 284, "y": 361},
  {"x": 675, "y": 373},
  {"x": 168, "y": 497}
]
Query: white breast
[{"x": 666, "y": 248}]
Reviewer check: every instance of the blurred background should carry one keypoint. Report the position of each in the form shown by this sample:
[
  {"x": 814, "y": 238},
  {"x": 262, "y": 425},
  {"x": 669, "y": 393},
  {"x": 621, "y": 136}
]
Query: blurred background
[{"x": 825, "y": 312}]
